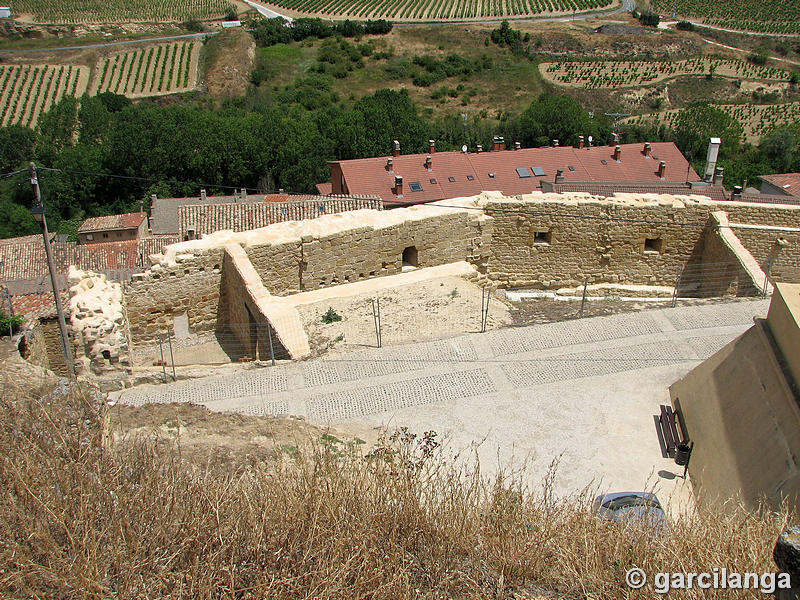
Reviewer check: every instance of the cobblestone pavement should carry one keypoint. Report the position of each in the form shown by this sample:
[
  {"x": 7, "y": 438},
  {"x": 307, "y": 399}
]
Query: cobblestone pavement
[{"x": 581, "y": 390}]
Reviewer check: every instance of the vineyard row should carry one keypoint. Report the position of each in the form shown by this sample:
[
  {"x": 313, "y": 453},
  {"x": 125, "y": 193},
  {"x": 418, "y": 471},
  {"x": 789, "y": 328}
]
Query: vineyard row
[{"x": 26, "y": 91}]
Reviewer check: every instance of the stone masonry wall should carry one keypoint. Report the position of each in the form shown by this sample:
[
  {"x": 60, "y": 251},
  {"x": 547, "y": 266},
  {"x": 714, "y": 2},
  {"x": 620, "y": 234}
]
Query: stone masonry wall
[
  {"x": 542, "y": 241},
  {"x": 52, "y": 340},
  {"x": 33, "y": 346},
  {"x": 538, "y": 240},
  {"x": 191, "y": 285}
]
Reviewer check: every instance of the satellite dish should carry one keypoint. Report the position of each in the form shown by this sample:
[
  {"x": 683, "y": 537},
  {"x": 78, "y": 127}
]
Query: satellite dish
[
  {"x": 591, "y": 139},
  {"x": 464, "y": 148}
]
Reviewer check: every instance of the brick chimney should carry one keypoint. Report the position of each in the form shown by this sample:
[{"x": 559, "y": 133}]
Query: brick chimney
[
  {"x": 719, "y": 174},
  {"x": 736, "y": 195},
  {"x": 203, "y": 195},
  {"x": 428, "y": 162},
  {"x": 389, "y": 165},
  {"x": 662, "y": 169},
  {"x": 495, "y": 143},
  {"x": 398, "y": 186},
  {"x": 559, "y": 175},
  {"x": 517, "y": 145},
  {"x": 618, "y": 153},
  {"x": 243, "y": 195},
  {"x": 395, "y": 148},
  {"x": 555, "y": 143},
  {"x": 479, "y": 148},
  {"x": 580, "y": 141},
  {"x": 431, "y": 146},
  {"x": 614, "y": 139},
  {"x": 648, "y": 149}
]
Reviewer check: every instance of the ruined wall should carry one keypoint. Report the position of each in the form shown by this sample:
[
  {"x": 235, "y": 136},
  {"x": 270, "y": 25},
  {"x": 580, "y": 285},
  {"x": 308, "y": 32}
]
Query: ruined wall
[
  {"x": 190, "y": 286},
  {"x": 346, "y": 255},
  {"x": 52, "y": 340},
  {"x": 541, "y": 240},
  {"x": 727, "y": 268},
  {"x": 33, "y": 346},
  {"x": 97, "y": 324}
]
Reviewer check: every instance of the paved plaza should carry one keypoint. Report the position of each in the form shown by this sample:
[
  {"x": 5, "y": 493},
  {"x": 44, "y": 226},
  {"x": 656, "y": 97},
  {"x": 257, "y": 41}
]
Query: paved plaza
[{"x": 582, "y": 391}]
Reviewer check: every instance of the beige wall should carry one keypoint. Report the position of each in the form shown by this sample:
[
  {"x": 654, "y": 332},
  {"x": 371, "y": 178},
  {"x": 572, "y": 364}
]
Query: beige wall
[
  {"x": 744, "y": 421},
  {"x": 33, "y": 346},
  {"x": 599, "y": 239},
  {"x": 784, "y": 322},
  {"x": 52, "y": 340},
  {"x": 191, "y": 286},
  {"x": 602, "y": 240},
  {"x": 115, "y": 235}
]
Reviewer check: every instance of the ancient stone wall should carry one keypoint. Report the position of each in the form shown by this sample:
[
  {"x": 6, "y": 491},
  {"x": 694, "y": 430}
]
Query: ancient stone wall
[
  {"x": 52, "y": 340},
  {"x": 541, "y": 240},
  {"x": 190, "y": 285},
  {"x": 537, "y": 240},
  {"x": 33, "y": 346},
  {"x": 97, "y": 324}
]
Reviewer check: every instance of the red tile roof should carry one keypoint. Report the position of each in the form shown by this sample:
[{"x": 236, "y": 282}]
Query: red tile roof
[
  {"x": 39, "y": 305},
  {"x": 326, "y": 188},
  {"x": 789, "y": 182},
  {"x": 456, "y": 174},
  {"x": 208, "y": 218},
  {"x": 111, "y": 222}
]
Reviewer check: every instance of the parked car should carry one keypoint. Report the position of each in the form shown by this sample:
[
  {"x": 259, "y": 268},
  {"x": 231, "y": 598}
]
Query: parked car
[{"x": 632, "y": 508}]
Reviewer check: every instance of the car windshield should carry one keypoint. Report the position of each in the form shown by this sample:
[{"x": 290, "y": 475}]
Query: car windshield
[{"x": 630, "y": 502}]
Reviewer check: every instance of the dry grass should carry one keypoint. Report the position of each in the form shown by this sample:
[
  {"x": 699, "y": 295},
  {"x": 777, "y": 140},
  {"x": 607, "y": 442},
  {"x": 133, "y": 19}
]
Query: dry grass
[{"x": 79, "y": 519}]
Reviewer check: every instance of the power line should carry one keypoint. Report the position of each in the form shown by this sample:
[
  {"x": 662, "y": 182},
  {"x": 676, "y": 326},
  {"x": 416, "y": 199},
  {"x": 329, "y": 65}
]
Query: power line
[
  {"x": 5, "y": 175},
  {"x": 147, "y": 179}
]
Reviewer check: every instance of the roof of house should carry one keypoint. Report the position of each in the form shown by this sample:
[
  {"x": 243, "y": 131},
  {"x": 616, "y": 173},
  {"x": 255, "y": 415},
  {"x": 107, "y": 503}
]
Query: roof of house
[
  {"x": 208, "y": 218},
  {"x": 164, "y": 211},
  {"x": 460, "y": 174},
  {"x": 26, "y": 239},
  {"x": 609, "y": 188},
  {"x": 38, "y": 305},
  {"x": 789, "y": 182},
  {"x": 111, "y": 222},
  {"x": 325, "y": 188}
]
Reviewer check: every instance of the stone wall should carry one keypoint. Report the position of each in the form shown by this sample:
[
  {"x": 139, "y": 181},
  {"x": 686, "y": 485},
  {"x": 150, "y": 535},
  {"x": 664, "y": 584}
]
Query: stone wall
[
  {"x": 33, "y": 346},
  {"x": 189, "y": 285},
  {"x": 97, "y": 324},
  {"x": 537, "y": 240},
  {"x": 545, "y": 240},
  {"x": 52, "y": 340}
]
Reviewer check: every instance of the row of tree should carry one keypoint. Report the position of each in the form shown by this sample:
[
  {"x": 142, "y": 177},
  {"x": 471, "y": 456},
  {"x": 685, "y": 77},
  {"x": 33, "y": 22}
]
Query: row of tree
[{"x": 286, "y": 141}]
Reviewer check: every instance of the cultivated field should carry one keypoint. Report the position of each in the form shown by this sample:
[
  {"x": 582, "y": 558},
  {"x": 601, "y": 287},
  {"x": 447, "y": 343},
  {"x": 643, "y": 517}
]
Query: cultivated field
[
  {"x": 757, "y": 119},
  {"x": 624, "y": 73},
  {"x": 161, "y": 69},
  {"x": 438, "y": 9},
  {"x": 120, "y": 11},
  {"x": 769, "y": 16},
  {"x": 26, "y": 91}
]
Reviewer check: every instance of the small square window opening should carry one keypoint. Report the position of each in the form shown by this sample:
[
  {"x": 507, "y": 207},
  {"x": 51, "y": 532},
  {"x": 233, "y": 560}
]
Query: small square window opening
[
  {"x": 542, "y": 237},
  {"x": 654, "y": 245}
]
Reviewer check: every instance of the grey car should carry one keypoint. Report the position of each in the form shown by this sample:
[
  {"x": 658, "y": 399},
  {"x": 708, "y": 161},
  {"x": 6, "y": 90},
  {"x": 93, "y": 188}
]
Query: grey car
[{"x": 632, "y": 508}]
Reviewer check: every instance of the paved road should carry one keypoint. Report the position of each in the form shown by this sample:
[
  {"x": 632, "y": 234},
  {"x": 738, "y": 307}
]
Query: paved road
[
  {"x": 105, "y": 44},
  {"x": 582, "y": 390}
]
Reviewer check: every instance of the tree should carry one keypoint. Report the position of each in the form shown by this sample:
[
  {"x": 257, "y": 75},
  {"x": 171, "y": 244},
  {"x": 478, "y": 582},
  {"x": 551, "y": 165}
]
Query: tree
[
  {"x": 16, "y": 147},
  {"x": 698, "y": 123},
  {"x": 780, "y": 149},
  {"x": 556, "y": 117}
]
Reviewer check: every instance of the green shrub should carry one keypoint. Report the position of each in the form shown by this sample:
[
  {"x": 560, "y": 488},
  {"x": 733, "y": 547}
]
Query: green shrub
[
  {"x": 685, "y": 26},
  {"x": 331, "y": 316},
  {"x": 9, "y": 324}
]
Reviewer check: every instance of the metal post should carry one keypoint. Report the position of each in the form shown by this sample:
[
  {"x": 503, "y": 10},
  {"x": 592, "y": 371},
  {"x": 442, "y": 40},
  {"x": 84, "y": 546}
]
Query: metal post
[
  {"x": 583, "y": 300},
  {"x": 483, "y": 306},
  {"x": 163, "y": 364},
  {"x": 62, "y": 324},
  {"x": 171, "y": 357},
  {"x": 380, "y": 334},
  {"x": 675, "y": 287},
  {"x": 485, "y": 316},
  {"x": 10, "y": 312},
  {"x": 271, "y": 348}
]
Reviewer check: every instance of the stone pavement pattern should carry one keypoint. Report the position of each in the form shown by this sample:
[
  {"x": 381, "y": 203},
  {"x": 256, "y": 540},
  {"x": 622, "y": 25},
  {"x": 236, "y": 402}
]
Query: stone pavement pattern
[{"x": 582, "y": 390}]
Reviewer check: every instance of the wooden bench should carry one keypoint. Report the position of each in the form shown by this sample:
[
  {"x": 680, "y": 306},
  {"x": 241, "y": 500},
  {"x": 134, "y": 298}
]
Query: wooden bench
[{"x": 667, "y": 429}]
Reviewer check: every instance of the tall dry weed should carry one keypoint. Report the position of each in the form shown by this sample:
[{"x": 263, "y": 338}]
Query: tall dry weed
[{"x": 81, "y": 520}]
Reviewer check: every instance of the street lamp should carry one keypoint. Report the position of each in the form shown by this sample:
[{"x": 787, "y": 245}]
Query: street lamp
[{"x": 38, "y": 213}]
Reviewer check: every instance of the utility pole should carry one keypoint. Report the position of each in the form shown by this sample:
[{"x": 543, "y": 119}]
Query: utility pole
[{"x": 38, "y": 213}]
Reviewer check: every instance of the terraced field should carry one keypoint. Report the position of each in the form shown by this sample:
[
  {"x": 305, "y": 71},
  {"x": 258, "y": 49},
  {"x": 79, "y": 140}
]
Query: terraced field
[
  {"x": 161, "y": 69},
  {"x": 120, "y": 11},
  {"x": 756, "y": 119},
  {"x": 766, "y": 16},
  {"x": 26, "y": 91},
  {"x": 624, "y": 73},
  {"x": 438, "y": 9}
]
